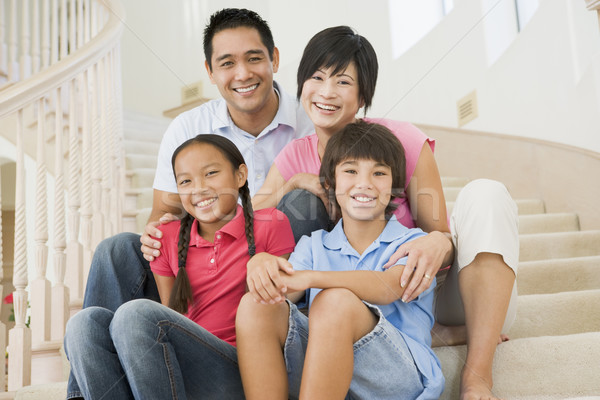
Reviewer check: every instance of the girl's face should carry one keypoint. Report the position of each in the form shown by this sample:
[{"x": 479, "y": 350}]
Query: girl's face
[
  {"x": 208, "y": 185},
  {"x": 331, "y": 102},
  {"x": 363, "y": 189}
]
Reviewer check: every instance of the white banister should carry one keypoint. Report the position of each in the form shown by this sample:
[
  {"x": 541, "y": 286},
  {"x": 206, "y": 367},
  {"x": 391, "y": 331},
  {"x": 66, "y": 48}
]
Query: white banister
[
  {"x": 19, "y": 340},
  {"x": 40, "y": 287}
]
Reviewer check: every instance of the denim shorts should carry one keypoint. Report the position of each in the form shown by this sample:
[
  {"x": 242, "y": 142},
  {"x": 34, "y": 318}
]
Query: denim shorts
[{"x": 383, "y": 365}]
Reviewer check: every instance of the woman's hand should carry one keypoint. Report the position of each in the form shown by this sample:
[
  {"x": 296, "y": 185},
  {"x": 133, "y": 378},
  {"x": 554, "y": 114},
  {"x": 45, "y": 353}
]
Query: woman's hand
[
  {"x": 264, "y": 278},
  {"x": 309, "y": 182},
  {"x": 426, "y": 256}
]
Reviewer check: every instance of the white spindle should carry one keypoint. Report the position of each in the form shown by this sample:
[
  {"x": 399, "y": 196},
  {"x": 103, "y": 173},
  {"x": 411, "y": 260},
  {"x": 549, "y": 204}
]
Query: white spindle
[
  {"x": 13, "y": 65},
  {"x": 46, "y": 20},
  {"x": 60, "y": 293},
  {"x": 104, "y": 141},
  {"x": 80, "y": 25},
  {"x": 54, "y": 40},
  {"x": 19, "y": 349},
  {"x": 3, "y": 42},
  {"x": 64, "y": 30},
  {"x": 74, "y": 277},
  {"x": 2, "y": 325},
  {"x": 97, "y": 218},
  {"x": 35, "y": 38},
  {"x": 87, "y": 20},
  {"x": 25, "y": 58},
  {"x": 40, "y": 287},
  {"x": 86, "y": 175},
  {"x": 72, "y": 26}
]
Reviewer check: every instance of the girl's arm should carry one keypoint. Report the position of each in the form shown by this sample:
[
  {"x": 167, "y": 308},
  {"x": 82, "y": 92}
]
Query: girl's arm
[
  {"x": 275, "y": 187},
  {"x": 427, "y": 254},
  {"x": 165, "y": 286},
  {"x": 376, "y": 287}
]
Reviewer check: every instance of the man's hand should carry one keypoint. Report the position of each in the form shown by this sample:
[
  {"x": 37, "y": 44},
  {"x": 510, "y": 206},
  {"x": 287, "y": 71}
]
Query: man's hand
[
  {"x": 151, "y": 246},
  {"x": 264, "y": 278},
  {"x": 425, "y": 257}
]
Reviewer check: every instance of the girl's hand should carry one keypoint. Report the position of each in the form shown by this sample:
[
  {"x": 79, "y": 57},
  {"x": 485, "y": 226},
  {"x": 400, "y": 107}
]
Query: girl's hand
[
  {"x": 264, "y": 278},
  {"x": 298, "y": 282},
  {"x": 309, "y": 182},
  {"x": 425, "y": 257}
]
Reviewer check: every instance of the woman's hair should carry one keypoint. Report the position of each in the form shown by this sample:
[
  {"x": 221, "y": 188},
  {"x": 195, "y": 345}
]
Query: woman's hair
[
  {"x": 337, "y": 47},
  {"x": 359, "y": 141},
  {"x": 181, "y": 294}
]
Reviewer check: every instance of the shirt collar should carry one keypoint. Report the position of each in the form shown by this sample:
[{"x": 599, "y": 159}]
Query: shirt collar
[
  {"x": 336, "y": 239},
  {"x": 286, "y": 113},
  {"x": 234, "y": 228}
]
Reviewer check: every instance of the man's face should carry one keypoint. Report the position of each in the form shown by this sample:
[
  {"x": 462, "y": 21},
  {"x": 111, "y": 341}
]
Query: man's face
[{"x": 242, "y": 70}]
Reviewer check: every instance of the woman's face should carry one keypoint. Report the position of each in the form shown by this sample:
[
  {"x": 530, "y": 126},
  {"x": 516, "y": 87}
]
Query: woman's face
[{"x": 331, "y": 102}]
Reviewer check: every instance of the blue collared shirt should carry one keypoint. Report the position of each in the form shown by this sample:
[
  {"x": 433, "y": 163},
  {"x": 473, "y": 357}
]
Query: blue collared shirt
[
  {"x": 331, "y": 251},
  {"x": 290, "y": 122}
]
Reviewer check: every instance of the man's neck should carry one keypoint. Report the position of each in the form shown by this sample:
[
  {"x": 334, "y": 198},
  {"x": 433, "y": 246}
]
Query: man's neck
[{"x": 254, "y": 123}]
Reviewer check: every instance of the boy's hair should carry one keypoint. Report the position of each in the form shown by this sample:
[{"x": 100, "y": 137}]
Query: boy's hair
[
  {"x": 359, "y": 141},
  {"x": 337, "y": 47},
  {"x": 230, "y": 18},
  {"x": 181, "y": 294}
]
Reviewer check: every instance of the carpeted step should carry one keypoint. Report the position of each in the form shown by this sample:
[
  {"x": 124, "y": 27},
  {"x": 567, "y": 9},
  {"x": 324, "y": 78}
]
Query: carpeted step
[
  {"x": 141, "y": 147},
  {"x": 534, "y": 368},
  {"x": 49, "y": 391},
  {"x": 134, "y": 161},
  {"x": 451, "y": 193},
  {"x": 557, "y": 314},
  {"x": 456, "y": 181},
  {"x": 545, "y": 246},
  {"x": 142, "y": 177},
  {"x": 560, "y": 275},
  {"x": 545, "y": 223},
  {"x": 524, "y": 206}
]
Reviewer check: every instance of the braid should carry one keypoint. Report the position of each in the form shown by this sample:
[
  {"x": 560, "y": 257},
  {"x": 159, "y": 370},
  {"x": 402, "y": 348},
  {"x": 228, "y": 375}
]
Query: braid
[
  {"x": 249, "y": 217},
  {"x": 181, "y": 294}
]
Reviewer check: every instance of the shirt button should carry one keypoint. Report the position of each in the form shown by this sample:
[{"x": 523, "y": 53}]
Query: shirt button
[
  {"x": 218, "y": 236},
  {"x": 212, "y": 260},
  {"x": 259, "y": 176}
]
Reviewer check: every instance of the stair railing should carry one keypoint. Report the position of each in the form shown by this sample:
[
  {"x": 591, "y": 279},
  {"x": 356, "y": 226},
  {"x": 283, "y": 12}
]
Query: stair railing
[{"x": 60, "y": 104}]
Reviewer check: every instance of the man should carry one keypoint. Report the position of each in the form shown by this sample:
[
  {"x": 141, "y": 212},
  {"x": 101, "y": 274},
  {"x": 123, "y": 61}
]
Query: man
[{"x": 254, "y": 113}]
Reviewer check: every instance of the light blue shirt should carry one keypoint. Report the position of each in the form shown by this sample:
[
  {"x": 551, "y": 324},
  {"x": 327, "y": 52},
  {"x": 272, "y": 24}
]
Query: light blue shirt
[
  {"x": 331, "y": 251},
  {"x": 290, "y": 122}
]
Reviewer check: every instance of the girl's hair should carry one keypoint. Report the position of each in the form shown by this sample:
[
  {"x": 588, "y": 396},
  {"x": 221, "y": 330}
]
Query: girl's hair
[
  {"x": 337, "y": 47},
  {"x": 181, "y": 295},
  {"x": 359, "y": 141}
]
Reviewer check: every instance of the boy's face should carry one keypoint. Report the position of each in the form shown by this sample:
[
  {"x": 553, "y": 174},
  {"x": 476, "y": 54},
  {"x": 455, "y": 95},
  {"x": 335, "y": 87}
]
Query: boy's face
[
  {"x": 242, "y": 70},
  {"x": 363, "y": 189}
]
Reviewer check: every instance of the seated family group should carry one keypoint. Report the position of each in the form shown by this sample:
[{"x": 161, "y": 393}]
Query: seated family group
[{"x": 265, "y": 205}]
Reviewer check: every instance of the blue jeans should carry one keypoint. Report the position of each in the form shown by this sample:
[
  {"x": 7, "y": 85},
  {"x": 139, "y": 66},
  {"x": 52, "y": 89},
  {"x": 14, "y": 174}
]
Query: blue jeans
[
  {"x": 383, "y": 365},
  {"x": 118, "y": 273},
  {"x": 305, "y": 211},
  {"x": 145, "y": 350}
]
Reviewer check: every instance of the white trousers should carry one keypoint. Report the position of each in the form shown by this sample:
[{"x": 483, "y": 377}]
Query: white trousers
[{"x": 484, "y": 220}]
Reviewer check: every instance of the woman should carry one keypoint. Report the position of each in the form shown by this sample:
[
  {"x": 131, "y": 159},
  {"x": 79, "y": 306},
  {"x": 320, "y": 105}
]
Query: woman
[{"x": 477, "y": 300}]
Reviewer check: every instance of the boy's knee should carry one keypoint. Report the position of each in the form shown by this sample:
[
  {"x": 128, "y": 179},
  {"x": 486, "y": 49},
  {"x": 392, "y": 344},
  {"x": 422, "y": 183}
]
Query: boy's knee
[{"x": 334, "y": 304}]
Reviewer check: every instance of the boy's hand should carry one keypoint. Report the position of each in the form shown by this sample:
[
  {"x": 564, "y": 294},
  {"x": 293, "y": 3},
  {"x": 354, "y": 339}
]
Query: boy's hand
[
  {"x": 150, "y": 246},
  {"x": 264, "y": 278}
]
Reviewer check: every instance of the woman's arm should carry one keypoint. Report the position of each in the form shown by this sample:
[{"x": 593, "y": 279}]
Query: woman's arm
[
  {"x": 165, "y": 286},
  {"x": 427, "y": 254}
]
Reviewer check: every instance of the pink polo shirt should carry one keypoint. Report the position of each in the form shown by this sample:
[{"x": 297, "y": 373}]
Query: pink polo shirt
[
  {"x": 301, "y": 155},
  {"x": 217, "y": 271}
]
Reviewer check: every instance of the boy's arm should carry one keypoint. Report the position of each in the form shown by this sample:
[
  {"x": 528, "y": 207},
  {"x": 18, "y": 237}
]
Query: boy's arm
[{"x": 376, "y": 287}]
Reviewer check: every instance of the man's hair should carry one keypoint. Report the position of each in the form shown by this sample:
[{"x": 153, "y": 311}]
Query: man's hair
[
  {"x": 230, "y": 18},
  {"x": 337, "y": 47},
  {"x": 364, "y": 141}
]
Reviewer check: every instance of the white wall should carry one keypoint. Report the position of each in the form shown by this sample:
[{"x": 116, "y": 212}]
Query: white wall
[{"x": 546, "y": 84}]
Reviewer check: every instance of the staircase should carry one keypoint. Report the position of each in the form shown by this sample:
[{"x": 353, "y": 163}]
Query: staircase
[{"x": 554, "y": 346}]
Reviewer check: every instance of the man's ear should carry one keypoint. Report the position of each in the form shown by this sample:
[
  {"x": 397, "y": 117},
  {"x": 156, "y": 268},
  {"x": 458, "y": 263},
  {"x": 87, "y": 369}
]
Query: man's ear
[
  {"x": 275, "y": 60},
  {"x": 210, "y": 74}
]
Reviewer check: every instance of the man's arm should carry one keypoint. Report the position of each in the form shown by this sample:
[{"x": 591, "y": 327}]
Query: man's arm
[{"x": 166, "y": 207}]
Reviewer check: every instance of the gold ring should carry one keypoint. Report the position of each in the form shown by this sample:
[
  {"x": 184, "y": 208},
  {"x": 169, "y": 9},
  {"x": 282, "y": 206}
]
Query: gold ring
[{"x": 427, "y": 276}]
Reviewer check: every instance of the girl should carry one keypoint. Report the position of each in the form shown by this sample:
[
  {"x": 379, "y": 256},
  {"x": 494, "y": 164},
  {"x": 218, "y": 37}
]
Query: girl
[
  {"x": 477, "y": 300},
  {"x": 147, "y": 350},
  {"x": 346, "y": 346}
]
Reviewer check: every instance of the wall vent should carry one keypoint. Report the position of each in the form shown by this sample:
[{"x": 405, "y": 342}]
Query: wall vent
[
  {"x": 467, "y": 108},
  {"x": 191, "y": 93}
]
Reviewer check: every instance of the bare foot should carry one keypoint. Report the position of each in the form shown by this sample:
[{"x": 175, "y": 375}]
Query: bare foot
[
  {"x": 475, "y": 387},
  {"x": 443, "y": 335}
]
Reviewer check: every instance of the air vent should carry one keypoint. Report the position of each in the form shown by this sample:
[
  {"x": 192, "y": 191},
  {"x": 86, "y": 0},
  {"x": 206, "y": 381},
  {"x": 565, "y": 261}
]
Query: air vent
[
  {"x": 191, "y": 93},
  {"x": 467, "y": 108}
]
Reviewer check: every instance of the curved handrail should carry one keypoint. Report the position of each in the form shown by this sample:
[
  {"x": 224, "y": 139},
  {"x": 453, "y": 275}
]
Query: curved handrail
[{"x": 24, "y": 92}]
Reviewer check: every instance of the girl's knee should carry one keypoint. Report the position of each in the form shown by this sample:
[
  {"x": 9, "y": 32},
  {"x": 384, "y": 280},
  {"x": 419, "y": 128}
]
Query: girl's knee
[
  {"x": 89, "y": 319},
  {"x": 252, "y": 315}
]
